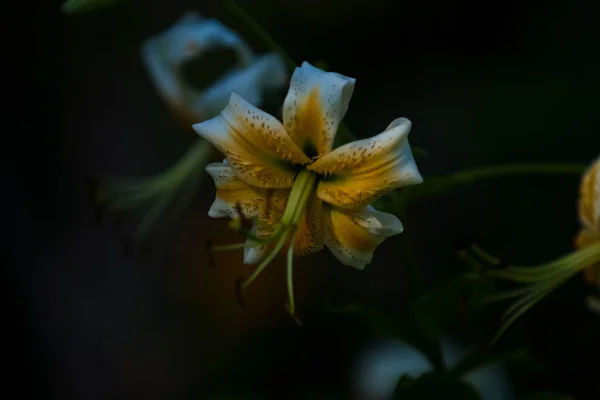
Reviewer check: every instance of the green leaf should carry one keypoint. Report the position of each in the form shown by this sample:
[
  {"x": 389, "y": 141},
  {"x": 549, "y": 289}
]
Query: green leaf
[
  {"x": 80, "y": 6},
  {"x": 434, "y": 386},
  {"x": 547, "y": 396}
]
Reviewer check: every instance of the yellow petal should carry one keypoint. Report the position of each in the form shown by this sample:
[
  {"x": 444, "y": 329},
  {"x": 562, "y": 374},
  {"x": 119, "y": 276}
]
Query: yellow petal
[
  {"x": 254, "y": 143},
  {"x": 358, "y": 173},
  {"x": 314, "y": 107},
  {"x": 584, "y": 238},
  {"x": 353, "y": 236},
  {"x": 233, "y": 195},
  {"x": 309, "y": 234},
  {"x": 589, "y": 198},
  {"x": 265, "y": 225}
]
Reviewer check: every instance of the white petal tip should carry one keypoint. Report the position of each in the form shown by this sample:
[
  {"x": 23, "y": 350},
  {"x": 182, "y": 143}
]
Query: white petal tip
[{"x": 252, "y": 255}]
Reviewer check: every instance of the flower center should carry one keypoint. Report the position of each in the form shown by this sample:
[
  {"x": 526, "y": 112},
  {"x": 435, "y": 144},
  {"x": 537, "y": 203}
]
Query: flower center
[
  {"x": 302, "y": 190},
  {"x": 285, "y": 231}
]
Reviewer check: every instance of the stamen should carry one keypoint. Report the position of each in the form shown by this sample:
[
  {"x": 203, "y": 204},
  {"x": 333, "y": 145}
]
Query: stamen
[
  {"x": 519, "y": 309},
  {"x": 265, "y": 262},
  {"x": 227, "y": 247},
  {"x": 210, "y": 249},
  {"x": 540, "y": 280},
  {"x": 301, "y": 192},
  {"x": 290, "y": 280}
]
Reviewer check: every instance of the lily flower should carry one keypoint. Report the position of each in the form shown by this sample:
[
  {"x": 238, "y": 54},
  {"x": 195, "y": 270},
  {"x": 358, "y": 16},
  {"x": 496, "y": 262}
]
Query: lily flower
[
  {"x": 542, "y": 280},
  {"x": 300, "y": 193},
  {"x": 192, "y": 36}
]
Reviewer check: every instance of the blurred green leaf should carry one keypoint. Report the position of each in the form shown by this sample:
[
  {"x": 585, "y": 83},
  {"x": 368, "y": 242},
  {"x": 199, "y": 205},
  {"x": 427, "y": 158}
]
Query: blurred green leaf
[
  {"x": 384, "y": 324},
  {"x": 547, "y": 396},
  {"x": 79, "y": 6},
  {"x": 434, "y": 386}
]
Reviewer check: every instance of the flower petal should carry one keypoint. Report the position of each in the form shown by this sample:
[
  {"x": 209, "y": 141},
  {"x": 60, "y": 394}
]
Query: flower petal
[
  {"x": 589, "y": 198},
  {"x": 309, "y": 233},
  {"x": 358, "y": 173},
  {"x": 353, "y": 236},
  {"x": 314, "y": 107},
  {"x": 233, "y": 195},
  {"x": 264, "y": 225},
  {"x": 254, "y": 143},
  {"x": 191, "y": 36}
]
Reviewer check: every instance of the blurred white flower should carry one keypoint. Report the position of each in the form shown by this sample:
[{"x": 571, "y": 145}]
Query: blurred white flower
[
  {"x": 379, "y": 367},
  {"x": 191, "y": 36}
]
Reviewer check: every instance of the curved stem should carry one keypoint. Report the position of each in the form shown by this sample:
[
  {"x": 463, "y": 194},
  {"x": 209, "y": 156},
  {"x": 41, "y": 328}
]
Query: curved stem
[
  {"x": 290, "y": 277},
  {"x": 437, "y": 184},
  {"x": 227, "y": 247},
  {"x": 516, "y": 169}
]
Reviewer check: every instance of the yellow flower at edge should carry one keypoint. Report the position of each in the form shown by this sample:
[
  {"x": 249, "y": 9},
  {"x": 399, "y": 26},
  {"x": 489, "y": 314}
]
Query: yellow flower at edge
[
  {"x": 589, "y": 215},
  {"x": 302, "y": 194}
]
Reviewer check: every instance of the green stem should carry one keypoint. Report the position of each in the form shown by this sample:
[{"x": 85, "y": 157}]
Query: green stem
[
  {"x": 290, "y": 276},
  {"x": 434, "y": 185},
  {"x": 265, "y": 263},
  {"x": 516, "y": 169},
  {"x": 227, "y": 247}
]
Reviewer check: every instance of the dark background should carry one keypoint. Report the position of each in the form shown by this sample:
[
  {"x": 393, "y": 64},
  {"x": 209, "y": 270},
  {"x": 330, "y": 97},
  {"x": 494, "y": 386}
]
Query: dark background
[{"x": 482, "y": 82}]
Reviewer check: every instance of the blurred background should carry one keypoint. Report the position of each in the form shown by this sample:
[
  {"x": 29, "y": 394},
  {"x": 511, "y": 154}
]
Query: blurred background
[{"x": 483, "y": 83}]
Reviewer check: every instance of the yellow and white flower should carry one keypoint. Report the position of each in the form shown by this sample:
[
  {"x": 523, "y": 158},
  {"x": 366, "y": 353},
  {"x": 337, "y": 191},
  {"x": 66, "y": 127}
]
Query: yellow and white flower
[
  {"x": 589, "y": 215},
  {"x": 191, "y": 36},
  {"x": 299, "y": 191}
]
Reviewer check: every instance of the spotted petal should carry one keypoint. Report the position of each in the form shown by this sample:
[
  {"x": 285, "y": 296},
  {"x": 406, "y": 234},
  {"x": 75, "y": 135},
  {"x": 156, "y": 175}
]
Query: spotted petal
[
  {"x": 358, "y": 173},
  {"x": 265, "y": 225},
  {"x": 309, "y": 233},
  {"x": 314, "y": 107},
  {"x": 234, "y": 196},
  {"x": 254, "y": 143},
  {"x": 353, "y": 236}
]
